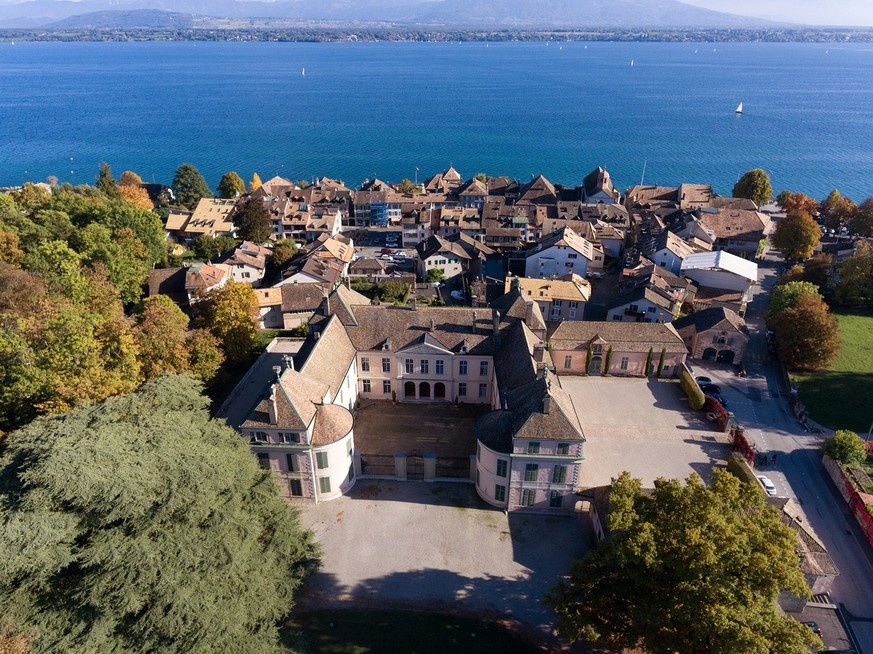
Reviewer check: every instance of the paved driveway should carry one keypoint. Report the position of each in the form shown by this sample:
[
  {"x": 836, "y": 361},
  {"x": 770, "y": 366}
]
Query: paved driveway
[
  {"x": 438, "y": 546},
  {"x": 642, "y": 426}
]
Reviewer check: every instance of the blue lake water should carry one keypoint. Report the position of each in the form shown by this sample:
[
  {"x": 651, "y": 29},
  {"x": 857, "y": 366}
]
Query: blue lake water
[{"x": 384, "y": 108}]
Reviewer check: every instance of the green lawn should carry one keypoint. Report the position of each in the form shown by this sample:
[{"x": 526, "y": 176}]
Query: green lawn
[
  {"x": 841, "y": 397},
  {"x": 350, "y": 631}
]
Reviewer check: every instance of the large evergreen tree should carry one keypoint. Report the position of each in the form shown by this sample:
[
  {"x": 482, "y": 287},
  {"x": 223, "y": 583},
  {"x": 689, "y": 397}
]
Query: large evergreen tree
[
  {"x": 686, "y": 569},
  {"x": 231, "y": 185},
  {"x": 754, "y": 185},
  {"x": 253, "y": 221},
  {"x": 140, "y": 525},
  {"x": 189, "y": 186}
]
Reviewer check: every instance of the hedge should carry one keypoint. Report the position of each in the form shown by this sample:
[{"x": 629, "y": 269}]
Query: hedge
[
  {"x": 692, "y": 391},
  {"x": 738, "y": 467}
]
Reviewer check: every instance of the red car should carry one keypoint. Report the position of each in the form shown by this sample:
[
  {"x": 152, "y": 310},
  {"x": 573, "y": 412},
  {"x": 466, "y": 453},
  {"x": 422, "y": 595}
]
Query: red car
[{"x": 386, "y": 251}]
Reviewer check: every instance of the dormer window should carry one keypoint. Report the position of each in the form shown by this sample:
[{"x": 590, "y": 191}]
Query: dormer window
[{"x": 596, "y": 349}]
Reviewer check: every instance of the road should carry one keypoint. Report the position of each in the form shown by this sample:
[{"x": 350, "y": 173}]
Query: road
[{"x": 759, "y": 402}]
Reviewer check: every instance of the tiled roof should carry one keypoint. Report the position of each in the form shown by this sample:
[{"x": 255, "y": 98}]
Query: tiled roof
[
  {"x": 204, "y": 276},
  {"x": 331, "y": 356},
  {"x": 710, "y": 318},
  {"x": 515, "y": 305},
  {"x": 301, "y": 298},
  {"x": 332, "y": 423},
  {"x": 169, "y": 282},
  {"x": 623, "y": 336},
  {"x": 295, "y": 396},
  {"x": 546, "y": 290},
  {"x": 735, "y": 224},
  {"x": 435, "y": 244},
  {"x": 639, "y": 293}
]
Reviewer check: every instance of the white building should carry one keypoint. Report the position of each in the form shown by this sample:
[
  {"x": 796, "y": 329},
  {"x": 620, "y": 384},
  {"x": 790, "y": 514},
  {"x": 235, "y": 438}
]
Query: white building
[{"x": 561, "y": 252}]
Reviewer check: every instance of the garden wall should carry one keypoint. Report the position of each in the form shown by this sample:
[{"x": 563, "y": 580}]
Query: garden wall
[{"x": 854, "y": 499}]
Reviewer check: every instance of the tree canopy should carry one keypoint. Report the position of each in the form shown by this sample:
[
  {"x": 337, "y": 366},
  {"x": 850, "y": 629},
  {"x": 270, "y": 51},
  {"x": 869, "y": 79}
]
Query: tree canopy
[
  {"x": 189, "y": 186},
  {"x": 807, "y": 335},
  {"x": 862, "y": 218},
  {"x": 846, "y": 447},
  {"x": 793, "y": 202},
  {"x": 106, "y": 182},
  {"x": 254, "y": 182},
  {"x": 797, "y": 235},
  {"x": 207, "y": 248},
  {"x": 754, "y": 185},
  {"x": 230, "y": 312},
  {"x": 252, "y": 221},
  {"x": 786, "y": 295},
  {"x": 283, "y": 251},
  {"x": 686, "y": 569},
  {"x": 129, "y": 178},
  {"x": 231, "y": 185},
  {"x": 837, "y": 210},
  {"x": 145, "y": 526}
]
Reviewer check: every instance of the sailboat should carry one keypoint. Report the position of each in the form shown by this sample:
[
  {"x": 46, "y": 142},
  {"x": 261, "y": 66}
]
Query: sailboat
[
  {"x": 740, "y": 108},
  {"x": 303, "y": 72},
  {"x": 632, "y": 62}
]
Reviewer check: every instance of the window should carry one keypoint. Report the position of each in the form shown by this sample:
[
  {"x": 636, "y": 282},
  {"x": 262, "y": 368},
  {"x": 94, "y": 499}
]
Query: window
[
  {"x": 386, "y": 387},
  {"x": 624, "y": 361},
  {"x": 264, "y": 460},
  {"x": 651, "y": 309},
  {"x": 499, "y": 493},
  {"x": 289, "y": 437},
  {"x": 440, "y": 367},
  {"x": 324, "y": 484},
  {"x": 291, "y": 460},
  {"x": 483, "y": 368},
  {"x": 568, "y": 362},
  {"x": 296, "y": 487},
  {"x": 634, "y": 308},
  {"x": 574, "y": 305},
  {"x": 483, "y": 390},
  {"x": 321, "y": 460},
  {"x": 462, "y": 367},
  {"x": 557, "y": 303},
  {"x": 556, "y": 499},
  {"x": 527, "y": 497},
  {"x": 386, "y": 364},
  {"x": 596, "y": 349},
  {"x": 501, "y": 468},
  {"x": 572, "y": 256},
  {"x": 462, "y": 389},
  {"x": 616, "y": 317},
  {"x": 366, "y": 385},
  {"x": 559, "y": 475},
  {"x": 563, "y": 449},
  {"x": 533, "y": 447},
  {"x": 259, "y": 437},
  {"x": 531, "y": 470},
  {"x": 425, "y": 366},
  {"x": 410, "y": 366},
  {"x": 365, "y": 364}
]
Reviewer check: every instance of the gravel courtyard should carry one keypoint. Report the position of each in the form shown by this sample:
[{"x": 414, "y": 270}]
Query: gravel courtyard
[
  {"x": 438, "y": 546},
  {"x": 643, "y": 426}
]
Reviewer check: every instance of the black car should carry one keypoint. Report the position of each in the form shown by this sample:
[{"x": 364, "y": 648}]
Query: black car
[
  {"x": 703, "y": 380},
  {"x": 711, "y": 388},
  {"x": 718, "y": 398},
  {"x": 814, "y": 626}
]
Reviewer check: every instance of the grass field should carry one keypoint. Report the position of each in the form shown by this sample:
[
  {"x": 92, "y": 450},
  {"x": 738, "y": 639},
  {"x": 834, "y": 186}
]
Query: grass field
[
  {"x": 351, "y": 631},
  {"x": 841, "y": 397}
]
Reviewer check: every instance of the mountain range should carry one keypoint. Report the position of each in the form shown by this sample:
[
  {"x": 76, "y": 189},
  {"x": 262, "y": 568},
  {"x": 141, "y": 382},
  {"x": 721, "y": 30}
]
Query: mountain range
[{"x": 495, "y": 14}]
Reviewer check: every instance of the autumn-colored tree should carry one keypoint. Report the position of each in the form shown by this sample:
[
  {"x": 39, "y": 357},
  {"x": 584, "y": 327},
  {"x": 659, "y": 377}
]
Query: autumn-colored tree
[
  {"x": 797, "y": 202},
  {"x": 406, "y": 186},
  {"x": 9, "y": 250},
  {"x": 686, "y": 569},
  {"x": 106, "y": 182},
  {"x": 231, "y": 185},
  {"x": 189, "y": 186},
  {"x": 283, "y": 251},
  {"x": 231, "y": 314},
  {"x": 12, "y": 641},
  {"x": 255, "y": 182},
  {"x": 855, "y": 274},
  {"x": 204, "y": 353},
  {"x": 797, "y": 235},
  {"x": 807, "y": 335},
  {"x": 786, "y": 295},
  {"x": 252, "y": 221},
  {"x": 837, "y": 210},
  {"x": 207, "y": 248},
  {"x": 31, "y": 197},
  {"x": 161, "y": 331},
  {"x": 862, "y": 218},
  {"x": 125, "y": 257},
  {"x": 129, "y": 178},
  {"x": 136, "y": 195},
  {"x": 817, "y": 270},
  {"x": 754, "y": 185}
]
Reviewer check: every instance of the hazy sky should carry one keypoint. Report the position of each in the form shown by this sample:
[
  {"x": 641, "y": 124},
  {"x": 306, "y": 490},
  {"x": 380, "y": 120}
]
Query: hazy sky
[{"x": 833, "y": 12}]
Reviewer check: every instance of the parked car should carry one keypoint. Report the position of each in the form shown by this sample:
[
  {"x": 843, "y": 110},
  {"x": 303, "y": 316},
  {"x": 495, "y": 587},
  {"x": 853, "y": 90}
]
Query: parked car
[
  {"x": 711, "y": 388},
  {"x": 814, "y": 626},
  {"x": 767, "y": 484},
  {"x": 386, "y": 251},
  {"x": 718, "y": 398},
  {"x": 703, "y": 380},
  {"x": 400, "y": 254}
]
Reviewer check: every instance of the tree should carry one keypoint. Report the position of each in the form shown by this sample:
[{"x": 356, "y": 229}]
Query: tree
[
  {"x": 161, "y": 334},
  {"x": 205, "y": 354},
  {"x": 145, "y": 526},
  {"x": 837, "y": 210},
  {"x": 807, "y": 335},
  {"x": 231, "y": 314},
  {"x": 136, "y": 195},
  {"x": 855, "y": 285},
  {"x": 686, "y": 569},
  {"x": 846, "y": 447},
  {"x": 31, "y": 197},
  {"x": 231, "y": 185},
  {"x": 254, "y": 182},
  {"x": 797, "y": 202},
  {"x": 252, "y": 221},
  {"x": 106, "y": 182},
  {"x": 9, "y": 250},
  {"x": 435, "y": 275},
  {"x": 818, "y": 270},
  {"x": 797, "y": 235},
  {"x": 129, "y": 178},
  {"x": 862, "y": 218},
  {"x": 754, "y": 185},
  {"x": 208, "y": 249},
  {"x": 406, "y": 186},
  {"x": 786, "y": 295},
  {"x": 189, "y": 186},
  {"x": 284, "y": 251}
]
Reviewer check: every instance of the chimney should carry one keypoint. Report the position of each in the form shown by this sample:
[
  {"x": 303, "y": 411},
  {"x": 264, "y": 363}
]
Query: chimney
[
  {"x": 495, "y": 321},
  {"x": 541, "y": 371},
  {"x": 432, "y": 324},
  {"x": 413, "y": 304},
  {"x": 277, "y": 371},
  {"x": 289, "y": 361},
  {"x": 538, "y": 352},
  {"x": 327, "y": 310},
  {"x": 547, "y": 404},
  {"x": 474, "y": 321},
  {"x": 271, "y": 406},
  {"x": 348, "y": 282}
]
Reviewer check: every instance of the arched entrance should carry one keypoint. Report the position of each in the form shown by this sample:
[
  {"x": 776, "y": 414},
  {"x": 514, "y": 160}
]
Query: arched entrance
[
  {"x": 596, "y": 365},
  {"x": 726, "y": 356},
  {"x": 409, "y": 389},
  {"x": 709, "y": 354},
  {"x": 424, "y": 391},
  {"x": 439, "y": 391}
]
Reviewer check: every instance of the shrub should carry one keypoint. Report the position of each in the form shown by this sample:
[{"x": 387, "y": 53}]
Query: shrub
[
  {"x": 692, "y": 391},
  {"x": 845, "y": 447},
  {"x": 738, "y": 467}
]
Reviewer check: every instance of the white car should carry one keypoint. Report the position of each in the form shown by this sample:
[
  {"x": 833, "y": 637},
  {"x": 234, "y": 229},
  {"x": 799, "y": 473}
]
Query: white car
[{"x": 767, "y": 484}]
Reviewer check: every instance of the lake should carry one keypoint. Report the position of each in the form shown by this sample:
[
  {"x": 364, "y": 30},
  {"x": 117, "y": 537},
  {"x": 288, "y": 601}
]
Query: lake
[{"x": 383, "y": 109}]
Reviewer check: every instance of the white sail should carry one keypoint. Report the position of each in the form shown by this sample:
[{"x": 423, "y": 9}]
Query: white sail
[
  {"x": 740, "y": 108},
  {"x": 303, "y": 72}
]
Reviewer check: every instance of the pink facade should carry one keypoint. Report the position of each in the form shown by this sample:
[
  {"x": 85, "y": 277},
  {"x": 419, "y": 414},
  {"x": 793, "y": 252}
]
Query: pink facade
[{"x": 572, "y": 362}]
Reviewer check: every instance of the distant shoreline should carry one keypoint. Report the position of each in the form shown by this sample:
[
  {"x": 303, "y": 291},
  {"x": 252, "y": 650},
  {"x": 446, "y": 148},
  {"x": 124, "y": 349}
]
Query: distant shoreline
[{"x": 369, "y": 34}]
